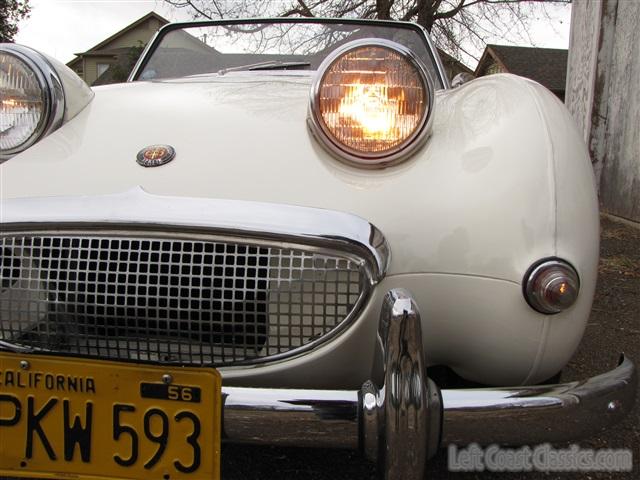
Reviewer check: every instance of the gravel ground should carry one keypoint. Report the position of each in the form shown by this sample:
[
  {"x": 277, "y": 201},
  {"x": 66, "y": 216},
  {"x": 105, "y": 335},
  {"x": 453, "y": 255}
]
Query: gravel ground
[{"x": 614, "y": 326}]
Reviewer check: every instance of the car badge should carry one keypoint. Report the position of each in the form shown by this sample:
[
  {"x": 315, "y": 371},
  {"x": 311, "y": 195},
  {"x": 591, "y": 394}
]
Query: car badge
[{"x": 155, "y": 155}]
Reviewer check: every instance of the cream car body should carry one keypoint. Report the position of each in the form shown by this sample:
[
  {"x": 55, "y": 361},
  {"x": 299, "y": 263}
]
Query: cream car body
[
  {"x": 233, "y": 215},
  {"x": 503, "y": 181}
]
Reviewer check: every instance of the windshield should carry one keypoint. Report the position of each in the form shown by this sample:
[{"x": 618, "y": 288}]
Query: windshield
[{"x": 184, "y": 50}]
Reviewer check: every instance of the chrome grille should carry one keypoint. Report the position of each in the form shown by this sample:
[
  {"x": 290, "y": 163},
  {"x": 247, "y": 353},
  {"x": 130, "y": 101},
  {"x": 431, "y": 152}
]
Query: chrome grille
[{"x": 201, "y": 300}]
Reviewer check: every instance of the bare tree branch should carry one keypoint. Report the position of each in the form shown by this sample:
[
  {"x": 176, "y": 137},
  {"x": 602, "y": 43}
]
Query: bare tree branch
[{"x": 457, "y": 26}]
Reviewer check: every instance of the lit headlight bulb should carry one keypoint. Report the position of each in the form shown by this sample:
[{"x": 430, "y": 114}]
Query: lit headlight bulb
[
  {"x": 22, "y": 104},
  {"x": 371, "y": 101}
]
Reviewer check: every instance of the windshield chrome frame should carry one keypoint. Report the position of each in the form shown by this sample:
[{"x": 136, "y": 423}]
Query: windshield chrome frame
[{"x": 164, "y": 30}]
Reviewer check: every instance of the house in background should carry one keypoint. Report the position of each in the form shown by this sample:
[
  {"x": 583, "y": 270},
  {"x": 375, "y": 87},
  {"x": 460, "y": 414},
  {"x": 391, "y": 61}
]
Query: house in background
[
  {"x": 547, "y": 66},
  {"x": 452, "y": 66},
  {"x": 111, "y": 60}
]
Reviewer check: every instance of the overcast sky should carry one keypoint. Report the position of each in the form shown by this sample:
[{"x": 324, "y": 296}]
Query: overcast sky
[{"x": 62, "y": 28}]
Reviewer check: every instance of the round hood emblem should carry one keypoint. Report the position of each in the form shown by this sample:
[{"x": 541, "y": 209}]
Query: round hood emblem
[{"x": 155, "y": 155}]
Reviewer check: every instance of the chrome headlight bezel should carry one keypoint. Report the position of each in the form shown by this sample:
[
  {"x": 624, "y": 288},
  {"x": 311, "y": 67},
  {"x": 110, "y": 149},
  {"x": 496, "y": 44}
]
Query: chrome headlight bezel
[
  {"x": 53, "y": 95},
  {"x": 361, "y": 159}
]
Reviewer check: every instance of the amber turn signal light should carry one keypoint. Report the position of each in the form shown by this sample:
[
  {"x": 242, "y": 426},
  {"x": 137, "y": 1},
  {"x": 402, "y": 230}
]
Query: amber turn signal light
[{"x": 551, "y": 286}]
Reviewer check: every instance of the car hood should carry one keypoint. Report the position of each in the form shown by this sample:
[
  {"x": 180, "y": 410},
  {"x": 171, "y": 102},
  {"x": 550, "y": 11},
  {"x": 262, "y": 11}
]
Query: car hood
[{"x": 477, "y": 199}]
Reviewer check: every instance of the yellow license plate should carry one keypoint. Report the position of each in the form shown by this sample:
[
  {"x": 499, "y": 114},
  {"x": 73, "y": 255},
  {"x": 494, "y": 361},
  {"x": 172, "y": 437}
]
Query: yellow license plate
[{"x": 76, "y": 418}]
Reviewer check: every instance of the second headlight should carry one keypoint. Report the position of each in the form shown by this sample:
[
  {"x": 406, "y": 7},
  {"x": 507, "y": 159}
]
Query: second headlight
[
  {"x": 31, "y": 99},
  {"x": 371, "y": 102}
]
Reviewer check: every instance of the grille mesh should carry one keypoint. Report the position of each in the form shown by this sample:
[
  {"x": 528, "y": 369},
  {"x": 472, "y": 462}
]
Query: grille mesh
[{"x": 210, "y": 301}]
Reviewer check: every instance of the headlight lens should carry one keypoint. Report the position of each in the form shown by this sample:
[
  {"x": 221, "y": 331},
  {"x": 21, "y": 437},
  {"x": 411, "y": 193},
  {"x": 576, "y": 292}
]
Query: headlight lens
[
  {"x": 371, "y": 100},
  {"x": 22, "y": 108},
  {"x": 551, "y": 286},
  {"x": 31, "y": 100}
]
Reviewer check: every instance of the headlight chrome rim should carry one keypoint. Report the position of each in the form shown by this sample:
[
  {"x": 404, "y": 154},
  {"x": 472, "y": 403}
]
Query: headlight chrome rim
[
  {"x": 538, "y": 270},
  {"x": 53, "y": 95},
  {"x": 353, "y": 157}
]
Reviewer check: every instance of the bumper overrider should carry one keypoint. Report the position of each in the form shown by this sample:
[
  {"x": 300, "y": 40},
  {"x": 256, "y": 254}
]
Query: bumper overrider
[{"x": 402, "y": 423}]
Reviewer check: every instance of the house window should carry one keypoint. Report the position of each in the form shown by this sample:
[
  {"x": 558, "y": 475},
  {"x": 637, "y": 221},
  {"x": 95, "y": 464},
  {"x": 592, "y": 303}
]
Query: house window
[
  {"x": 494, "y": 68},
  {"x": 102, "y": 67}
]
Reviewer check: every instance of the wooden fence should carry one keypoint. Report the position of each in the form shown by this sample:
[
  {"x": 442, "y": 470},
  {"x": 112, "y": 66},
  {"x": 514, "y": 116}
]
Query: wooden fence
[{"x": 603, "y": 94}]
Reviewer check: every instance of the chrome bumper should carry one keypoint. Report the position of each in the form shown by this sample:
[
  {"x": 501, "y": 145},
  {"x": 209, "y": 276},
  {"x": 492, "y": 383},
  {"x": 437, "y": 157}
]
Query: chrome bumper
[{"x": 402, "y": 423}]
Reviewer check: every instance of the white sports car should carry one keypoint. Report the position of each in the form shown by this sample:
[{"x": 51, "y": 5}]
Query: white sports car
[{"x": 289, "y": 232}]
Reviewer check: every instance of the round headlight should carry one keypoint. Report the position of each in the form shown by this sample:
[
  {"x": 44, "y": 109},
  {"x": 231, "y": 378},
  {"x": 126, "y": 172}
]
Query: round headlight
[
  {"x": 32, "y": 101},
  {"x": 371, "y": 102},
  {"x": 551, "y": 286}
]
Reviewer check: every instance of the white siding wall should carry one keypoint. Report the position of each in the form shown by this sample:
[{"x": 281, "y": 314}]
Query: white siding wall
[{"x": 603, "y": 93}]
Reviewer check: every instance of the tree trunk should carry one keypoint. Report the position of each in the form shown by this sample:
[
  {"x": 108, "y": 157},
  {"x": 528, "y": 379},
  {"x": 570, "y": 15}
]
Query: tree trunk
[
  {"x": 383, "y": 9},
  {"x": 426, "y": 11}
]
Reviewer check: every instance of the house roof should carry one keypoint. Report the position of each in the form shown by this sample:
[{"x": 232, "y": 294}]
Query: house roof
[
  {"x": 94, "y": 50},
  {"x": 547, "y": 66},
  {"x": 129, "y": 27},
  {"x": 108, "y": 52},
  {"x": 446, "y": 58}
]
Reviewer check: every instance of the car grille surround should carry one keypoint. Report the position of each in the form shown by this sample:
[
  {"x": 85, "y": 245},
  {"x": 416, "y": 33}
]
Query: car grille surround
[{"x": 189, "y": 298}]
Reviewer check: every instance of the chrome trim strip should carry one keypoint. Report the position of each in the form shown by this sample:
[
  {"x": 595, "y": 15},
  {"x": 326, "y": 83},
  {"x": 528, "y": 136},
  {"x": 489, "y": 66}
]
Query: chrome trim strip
[
  {"x": 15, "y": 348},
  {"x": 136, "y": 207},
  {"x": 146, "y": 53},
  {"x": 509, "y": 415},
  {"x": 436, "y": 58},
  {"x": 541, "y": 413},
  {"x": 305, "y": 418},
  {"x": 344, "y": 153},
  {"x": 51, "y": 85}
]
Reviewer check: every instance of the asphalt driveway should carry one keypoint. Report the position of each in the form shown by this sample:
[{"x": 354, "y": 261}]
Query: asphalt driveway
[{"x": 614, "y": 327}]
